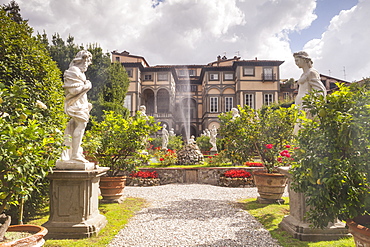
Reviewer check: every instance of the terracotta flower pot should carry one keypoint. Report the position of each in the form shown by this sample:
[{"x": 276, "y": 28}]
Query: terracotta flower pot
[
  {"x": 361, "y": 234},
  {"x": 270, "y": 186},
  {"x": 111, "y": 188},
  {"x": 37, "y": 239}
]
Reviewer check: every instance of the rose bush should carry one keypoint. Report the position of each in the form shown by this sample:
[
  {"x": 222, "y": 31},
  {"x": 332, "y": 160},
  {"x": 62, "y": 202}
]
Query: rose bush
[{"x": 237, "y": 173}]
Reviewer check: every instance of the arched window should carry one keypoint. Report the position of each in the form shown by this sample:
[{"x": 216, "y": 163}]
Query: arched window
[{"x": 148, "y": 100}]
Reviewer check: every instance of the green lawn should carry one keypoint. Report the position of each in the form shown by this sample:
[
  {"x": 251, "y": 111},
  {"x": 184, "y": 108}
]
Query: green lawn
[
  {"x": 270, "y": 215},
  {"x": 117, "y": 216}
]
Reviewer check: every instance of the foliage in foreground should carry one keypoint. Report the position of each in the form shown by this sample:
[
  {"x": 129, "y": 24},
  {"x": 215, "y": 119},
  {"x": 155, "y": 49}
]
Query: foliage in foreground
[
  {"x": 270, "y": 215},
  {"x": 31, "y": 103},
  {"x": 333, "y": 160},
  {"x": 117, "y": 216}
]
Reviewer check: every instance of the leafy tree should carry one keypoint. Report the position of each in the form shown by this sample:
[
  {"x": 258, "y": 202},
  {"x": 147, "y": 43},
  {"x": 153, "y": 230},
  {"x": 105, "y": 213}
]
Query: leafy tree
[
  {"x": 13, "y": 11},
  {"x": 119, "y": 141},
  {"x": 333, "y": 168},
  {"x": 31, "y": 103},
  {"x": 112, "y": 94},
  {"x": 247, "y": 136}
]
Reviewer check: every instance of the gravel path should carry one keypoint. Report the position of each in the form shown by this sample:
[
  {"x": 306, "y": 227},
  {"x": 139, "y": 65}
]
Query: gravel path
[{"x": 192, "y": 215}]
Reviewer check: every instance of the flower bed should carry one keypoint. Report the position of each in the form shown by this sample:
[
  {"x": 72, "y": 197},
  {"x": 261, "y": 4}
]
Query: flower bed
[
  {"x": 236, "y": 178},
  {"x": 143, "y": 178}
]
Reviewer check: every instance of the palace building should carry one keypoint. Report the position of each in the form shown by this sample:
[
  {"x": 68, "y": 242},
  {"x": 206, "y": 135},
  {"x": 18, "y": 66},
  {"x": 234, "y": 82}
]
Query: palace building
[{"x": 194, "y": 95}]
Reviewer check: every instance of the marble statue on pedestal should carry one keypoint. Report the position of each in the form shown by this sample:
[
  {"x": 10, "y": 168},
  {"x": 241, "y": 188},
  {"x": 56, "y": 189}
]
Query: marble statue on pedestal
[
  {"x": 77, "y": 108},
  {"x": 309, "y": 80},
  {"x": 164, "y": 136}
]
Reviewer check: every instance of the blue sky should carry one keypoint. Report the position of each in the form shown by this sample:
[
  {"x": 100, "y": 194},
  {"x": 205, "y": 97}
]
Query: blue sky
[
  {"x": 185, "y": 32},
  {"x": 325, "y": 11}
]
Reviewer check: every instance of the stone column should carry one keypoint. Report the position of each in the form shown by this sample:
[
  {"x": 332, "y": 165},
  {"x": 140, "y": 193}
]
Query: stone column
[
  {"x": 74, "y": 204},
  {"x": 297, "y": 226}
]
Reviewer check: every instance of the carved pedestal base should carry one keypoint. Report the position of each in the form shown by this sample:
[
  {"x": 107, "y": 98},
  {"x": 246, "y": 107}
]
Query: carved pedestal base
[
  {"x": 74, "y": 204},
  {"x": 299, "y": 228}
]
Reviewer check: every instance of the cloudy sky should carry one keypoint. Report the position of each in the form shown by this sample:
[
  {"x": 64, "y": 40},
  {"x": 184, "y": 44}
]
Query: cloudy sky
[{"x": 336, "y": 33}]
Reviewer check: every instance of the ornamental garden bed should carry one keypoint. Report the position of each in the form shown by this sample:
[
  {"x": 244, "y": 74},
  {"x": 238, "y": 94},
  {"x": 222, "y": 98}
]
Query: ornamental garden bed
[{"x": 201, "y": 175}]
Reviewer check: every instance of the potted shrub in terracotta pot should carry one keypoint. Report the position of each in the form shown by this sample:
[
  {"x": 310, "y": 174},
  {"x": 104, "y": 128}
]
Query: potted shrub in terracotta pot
[
  {"x": 119, "y": 145},
  {"x": 333, "y": 167},
  {"x": 260, "y": 133}
]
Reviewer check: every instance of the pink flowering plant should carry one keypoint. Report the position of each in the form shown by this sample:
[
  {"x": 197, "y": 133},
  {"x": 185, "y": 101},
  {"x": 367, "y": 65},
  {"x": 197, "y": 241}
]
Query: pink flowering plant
[{"x": 272, "y": 157}]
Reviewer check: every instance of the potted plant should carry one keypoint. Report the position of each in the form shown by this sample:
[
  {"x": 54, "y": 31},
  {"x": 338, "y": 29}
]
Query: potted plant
[
  {"x": 119, "y": 145},
  {"x": 260, "y": 133},
  {"x": 236, "y": 178},
  {"x": 144, "y": 178},
  {"x": 333, "y": 168}
]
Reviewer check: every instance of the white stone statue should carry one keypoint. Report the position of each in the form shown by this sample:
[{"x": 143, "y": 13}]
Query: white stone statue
[
  {"x": 207, "y": 133},
  {"x": 142, "y": 111},
  {"x": 172, "y": 132},
  {"x": 192, "y": 140},
  {"x": 235, "y": 112},
  {"x": 309, "y": 80},
  {"x": 212, "y": 140},
  {"x": 164, "y": 136},
  {"x": 76, "y": 106}
]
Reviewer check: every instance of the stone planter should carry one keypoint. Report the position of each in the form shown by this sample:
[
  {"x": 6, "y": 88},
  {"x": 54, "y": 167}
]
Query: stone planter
[
  {"x": 361, "y": 234},
  {"x": 236, "y": 182},
  {"x": 111, "y": 188},
  {"x": 144, "y": 182},
  {"x": 270, "y": 186},
  {"x": 35, "y": 240}
]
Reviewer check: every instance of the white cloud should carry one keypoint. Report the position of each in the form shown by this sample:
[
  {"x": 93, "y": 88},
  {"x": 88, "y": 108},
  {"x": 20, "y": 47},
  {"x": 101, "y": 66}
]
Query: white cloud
[
  {"x": 178, "y": 31},
  {"x": 344, "y": 47}
]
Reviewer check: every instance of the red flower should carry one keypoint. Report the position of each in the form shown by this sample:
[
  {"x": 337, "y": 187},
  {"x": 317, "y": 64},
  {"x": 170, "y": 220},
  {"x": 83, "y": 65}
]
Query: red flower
[
  {"x": 237, "y": 174},
  {"x": 269, "y": 146},
  {"x": 253, "y": 164},
  {"x": 216, "y": 154},
  {"x": 161, "y": 159},
  {"x": 141, "y": 174},
  {"x": 279, "y": 159},
  {"x": 287, "y": 146}
]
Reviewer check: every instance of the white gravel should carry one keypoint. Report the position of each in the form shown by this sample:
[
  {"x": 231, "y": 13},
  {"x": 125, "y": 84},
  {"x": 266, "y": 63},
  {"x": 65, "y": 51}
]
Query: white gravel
[{"x": 192, "y": 215}]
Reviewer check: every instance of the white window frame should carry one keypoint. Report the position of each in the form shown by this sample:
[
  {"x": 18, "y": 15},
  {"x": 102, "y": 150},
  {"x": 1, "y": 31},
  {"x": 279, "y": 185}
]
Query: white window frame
[
  {"x": 248, "y": 71},
  {"x": 213, "y": 104},
  {"x": 229, "y": 101},
  {"x": 268, "y": 73},
  {"x": 148, "y": 77},
  {"x": 286, "y": 96},
  {"x": 192, "y": 72},
  {"x": 128, "y": 102},
  {"x": 162, "y": 76},
  {"x": 268, "y": 99},
  {"x": 213, "y": 76},
  {"x": 228, "y": 76},
  {"x": 129, "y": 72},
  {"x": 249, "y": 100}
]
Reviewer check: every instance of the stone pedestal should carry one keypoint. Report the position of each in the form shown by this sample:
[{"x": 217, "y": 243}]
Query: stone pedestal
[
  {"x": 298, "y": 227},
  {"x": 74, "y": 204}
]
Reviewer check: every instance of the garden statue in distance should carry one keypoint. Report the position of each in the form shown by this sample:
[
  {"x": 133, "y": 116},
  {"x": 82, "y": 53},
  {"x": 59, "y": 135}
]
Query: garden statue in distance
[
  {"x": 142, "y": 111},
  {"x": 172, "y": 132},
  {"x": 78, "y": 108},
  {"x": 235, "y": 112},
  {"x": 212, "y": 140},
  {"x": 309, "y": 80},
  {"x": 164, "y": 136}
]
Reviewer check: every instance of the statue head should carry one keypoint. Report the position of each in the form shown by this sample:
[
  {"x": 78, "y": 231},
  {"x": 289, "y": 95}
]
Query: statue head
[
  {"x": 82, "y": 60},
  {"x": 304, "y": 56},
  {"x": 142, "y": 108}
]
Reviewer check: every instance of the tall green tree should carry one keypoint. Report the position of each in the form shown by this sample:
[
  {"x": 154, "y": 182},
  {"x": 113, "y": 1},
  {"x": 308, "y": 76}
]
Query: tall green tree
[{"x": 31, "y": 103}]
